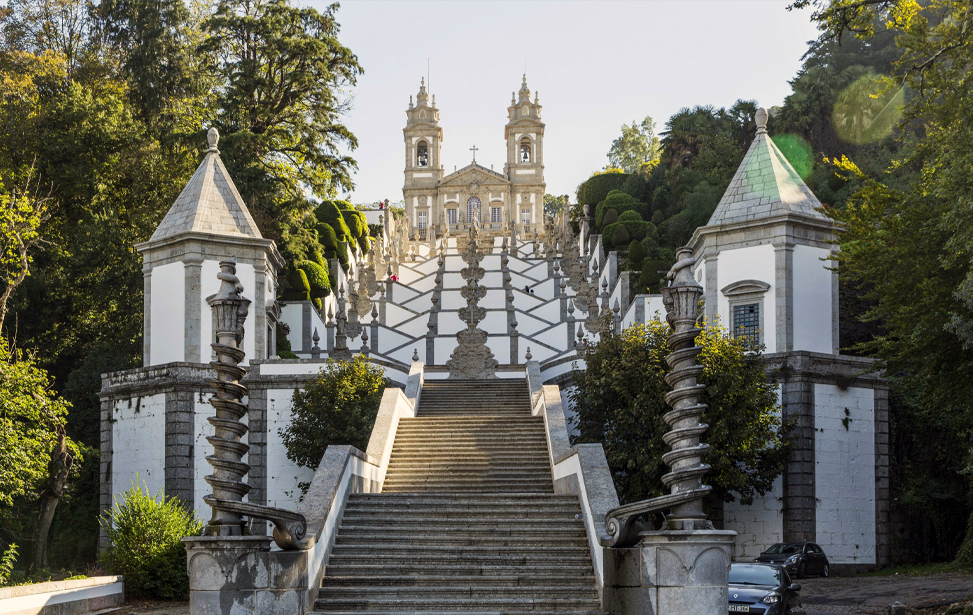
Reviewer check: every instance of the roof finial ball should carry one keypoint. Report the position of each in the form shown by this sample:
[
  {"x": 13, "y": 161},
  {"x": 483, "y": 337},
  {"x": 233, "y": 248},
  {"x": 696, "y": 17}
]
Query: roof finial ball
[
  {"x": 212, "y": 137},
  {"x": 761, "y": 119}
]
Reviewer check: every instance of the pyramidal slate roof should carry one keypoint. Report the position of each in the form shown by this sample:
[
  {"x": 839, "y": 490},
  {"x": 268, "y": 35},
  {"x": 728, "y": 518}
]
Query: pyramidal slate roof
[
  {"x": 765, "y": 185},
  {"x": 209, "y": 203}
]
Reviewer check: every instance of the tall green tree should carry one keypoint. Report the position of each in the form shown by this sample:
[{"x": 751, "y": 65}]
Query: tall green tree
[
  {"x": 620, "y": 401},
  {"x": 636, "y": 146},
  {"x": 283, "y": 72},
  {"x": 907, "y": 244}
]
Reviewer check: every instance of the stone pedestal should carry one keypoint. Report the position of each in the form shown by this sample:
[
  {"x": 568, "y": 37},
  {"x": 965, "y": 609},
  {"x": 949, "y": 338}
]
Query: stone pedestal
[
  {"x": 670, "y": 573},
  {"x": 240, "y": 575}
]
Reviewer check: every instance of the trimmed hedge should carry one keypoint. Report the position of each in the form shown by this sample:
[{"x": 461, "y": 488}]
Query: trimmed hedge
[
  {"x": 620, "y": 202},
  {"x": 333, "y": 248},
  {"x": 317, "y": 278},
  {"x": 636, "y": 252},
  {"x": 620, "y": 235},
  {"x": 628, "y": 216},
  {"x": 610, "y": 217},
  {"x": 300, "y": 288},
  {"x": 596, "y": 188},
  {"x": 328, "y": 213}
]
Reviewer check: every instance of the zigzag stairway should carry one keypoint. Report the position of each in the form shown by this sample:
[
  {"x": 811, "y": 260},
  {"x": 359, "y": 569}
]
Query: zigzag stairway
[{"x": 468, "y": 520}]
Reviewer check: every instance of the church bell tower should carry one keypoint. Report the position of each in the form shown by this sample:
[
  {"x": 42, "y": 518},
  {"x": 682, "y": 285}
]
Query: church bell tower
[
  {"x": 423, "y": 167},
  {"x": 525, "y": 158}
]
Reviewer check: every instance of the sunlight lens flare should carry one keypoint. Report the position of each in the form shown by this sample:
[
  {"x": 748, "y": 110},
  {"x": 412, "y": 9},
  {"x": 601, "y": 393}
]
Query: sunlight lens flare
[
  {"x": 797, "y": 151},
  {"x": 868, "y": 109}
]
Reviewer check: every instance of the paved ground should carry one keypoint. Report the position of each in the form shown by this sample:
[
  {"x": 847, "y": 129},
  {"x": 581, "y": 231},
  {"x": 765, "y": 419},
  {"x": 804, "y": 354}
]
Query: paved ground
[
  {"x": 871, "y": 595},
  {"x": 835, "y": 596}
]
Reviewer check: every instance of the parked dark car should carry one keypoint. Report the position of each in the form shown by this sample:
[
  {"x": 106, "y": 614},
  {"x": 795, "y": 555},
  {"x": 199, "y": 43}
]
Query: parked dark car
[
  {"x": 762, "y": 589},
  {"x": 799, "y": 559}
]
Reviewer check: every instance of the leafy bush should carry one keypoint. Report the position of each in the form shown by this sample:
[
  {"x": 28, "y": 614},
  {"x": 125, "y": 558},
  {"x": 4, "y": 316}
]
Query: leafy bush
[
  {"x": 620, "y": 202},
  {"x": 620, "y": 235},
  {"x": 145, "y": 535},
  {"x": 333, "y": 247},
  {"x": 597, "y": 187},
  {"x": 355, "y": 222},
  {"x": 629, "y": 216},
  {"x": 328, "y": 213},
  {"x": 636, "y": 252},
  {"x": 283, "y": 342},
  {"x": 7, "y": 561},
  {"x": 300, "y": 288},
  {"x": 317, "y": 278},
  {"x": 620, "y": 402},
  {"x": 337, "y": 407},
  {"x": 610, "y": 217}
]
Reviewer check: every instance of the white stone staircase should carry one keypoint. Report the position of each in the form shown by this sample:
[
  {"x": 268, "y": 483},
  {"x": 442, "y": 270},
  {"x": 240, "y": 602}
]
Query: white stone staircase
[{"x": 467, "y": 520}]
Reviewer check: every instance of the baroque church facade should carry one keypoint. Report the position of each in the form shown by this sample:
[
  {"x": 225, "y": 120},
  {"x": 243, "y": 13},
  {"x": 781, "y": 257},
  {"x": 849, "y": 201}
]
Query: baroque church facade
[{"x": 497, "y": 200}]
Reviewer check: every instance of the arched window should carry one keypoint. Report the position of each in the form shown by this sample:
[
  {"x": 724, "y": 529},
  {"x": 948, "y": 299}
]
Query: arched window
[
  {"x": 525, "y": 151},
  {"x": 472, "y": 209},
  {"x": 422, "y": 154}
]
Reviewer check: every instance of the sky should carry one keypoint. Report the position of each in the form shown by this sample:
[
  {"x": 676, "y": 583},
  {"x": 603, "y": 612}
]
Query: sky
[{"x": 596, "y": 65}]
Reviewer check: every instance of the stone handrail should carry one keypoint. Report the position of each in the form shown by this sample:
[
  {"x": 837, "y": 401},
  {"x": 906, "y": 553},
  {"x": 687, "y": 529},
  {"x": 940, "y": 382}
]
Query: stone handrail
[{"x": 580, "y": 470}]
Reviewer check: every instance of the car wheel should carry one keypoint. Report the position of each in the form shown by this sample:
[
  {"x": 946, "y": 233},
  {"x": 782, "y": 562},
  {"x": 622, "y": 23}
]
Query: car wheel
[
  {"x": 827, "y": 571},
  {"x": 800, "y": 570}
]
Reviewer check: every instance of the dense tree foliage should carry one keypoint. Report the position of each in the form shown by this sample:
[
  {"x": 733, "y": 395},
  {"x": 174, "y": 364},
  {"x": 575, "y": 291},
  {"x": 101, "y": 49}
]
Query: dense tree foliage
[
  {"x": 338, "y": 407},
  {"x": 103, "y": 112},
  {"x": 620, "y": 401},
  {"x": 637, "y": 146},
  {"x": 906, "y": 248}
]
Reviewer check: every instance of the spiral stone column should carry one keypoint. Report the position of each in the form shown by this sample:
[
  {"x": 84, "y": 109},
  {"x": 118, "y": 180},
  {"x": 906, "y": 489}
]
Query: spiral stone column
[
  {"x": 684, "y": 565},
  {"x": 230, "y": 310}
]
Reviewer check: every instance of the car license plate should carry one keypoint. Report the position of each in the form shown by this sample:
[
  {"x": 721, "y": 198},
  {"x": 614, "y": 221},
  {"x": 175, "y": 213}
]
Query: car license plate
[{"x": 739, "y": 608}]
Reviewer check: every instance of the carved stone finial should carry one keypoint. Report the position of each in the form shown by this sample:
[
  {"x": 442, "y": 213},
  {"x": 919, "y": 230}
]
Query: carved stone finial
[
  {"x": 415, "y": 355},
  {"x": 761, "y": 118},
  {"x": 213, "y": 138},
  {"x": 527, "y": 356}
]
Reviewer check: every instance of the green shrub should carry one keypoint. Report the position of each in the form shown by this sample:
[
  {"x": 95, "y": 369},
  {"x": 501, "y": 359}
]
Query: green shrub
[
  {"x": 610, "y": 217},
  {"x": 636, "y": 252},
  {"x": 629, "y": 216},
  {"x": 376, "y": 230},
  {"x": 606, "y": 234},
  {"x": 639, "y": 229},
  {"x": 620, "y": 202},
  {"x": 300, "y": 288},
  {"x": 284, "y": 343},
  {"x": 333, "y": 247},
  {"x": 338, "y": 407},
  {"x": 620, "y": 236},
  {"x": 596, "y": 188},
  {"x": 145, "y": 544},
  {"x": 317, "y": 278},
  {"x": 7, "y": 561},
  {"x": 328, "y": 213},
  {"x": 355, "y": 223}
]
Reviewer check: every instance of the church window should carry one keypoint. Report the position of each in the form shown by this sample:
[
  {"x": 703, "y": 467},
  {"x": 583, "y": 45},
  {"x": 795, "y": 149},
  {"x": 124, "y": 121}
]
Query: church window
[
  {"x": 495, "y": 215},
  {"x": 422, "y": 154},
  {"x": 451, "y": 216},
  {"x": 525, "y": 151},
  {"x": 422, "y": 219},
  {"x": 472, "y": 209},
  {"x": 746, "y": 321},
  {"x": 525, "y": 215}
]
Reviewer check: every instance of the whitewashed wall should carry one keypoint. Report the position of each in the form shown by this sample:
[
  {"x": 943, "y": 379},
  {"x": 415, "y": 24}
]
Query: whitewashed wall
[
  {"x": 202, "y": 410},
  {"x": 139, "y": 444},
  {"x": 167, "y": 342},
  {"x": 758, "y": 525},
  {"x": 844, "y": 473},
  {"x": 283, "y": 475},
  {"x": 753, "y": 263},
  {"x": 812, "y": 300}
]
